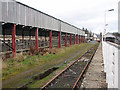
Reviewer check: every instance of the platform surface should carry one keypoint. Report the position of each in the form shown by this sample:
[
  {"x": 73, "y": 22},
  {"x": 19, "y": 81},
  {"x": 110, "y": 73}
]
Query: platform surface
[{"x": 95, "y": 76}]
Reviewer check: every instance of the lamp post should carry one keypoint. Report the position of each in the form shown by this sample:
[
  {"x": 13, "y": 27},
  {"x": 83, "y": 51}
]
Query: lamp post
[{"x": 105, "y": 19}]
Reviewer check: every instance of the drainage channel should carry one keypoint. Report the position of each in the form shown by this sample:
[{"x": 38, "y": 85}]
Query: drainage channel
[{"x": 38, "y": 77}]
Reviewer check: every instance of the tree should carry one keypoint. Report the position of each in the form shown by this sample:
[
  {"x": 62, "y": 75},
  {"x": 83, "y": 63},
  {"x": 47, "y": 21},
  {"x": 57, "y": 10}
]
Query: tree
[
  {"x": 116, "y": 34},
  {"x": 86, "y": 31},
  {"x": 100, "y": 36}
]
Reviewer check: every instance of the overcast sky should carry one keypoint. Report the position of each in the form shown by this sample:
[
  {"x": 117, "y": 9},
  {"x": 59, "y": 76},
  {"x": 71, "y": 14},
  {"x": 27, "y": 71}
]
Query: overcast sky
[{"x": 81, "y": 13}]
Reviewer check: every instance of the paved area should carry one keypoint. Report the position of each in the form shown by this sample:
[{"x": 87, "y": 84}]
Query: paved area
[{"x": 95, "y": 76}]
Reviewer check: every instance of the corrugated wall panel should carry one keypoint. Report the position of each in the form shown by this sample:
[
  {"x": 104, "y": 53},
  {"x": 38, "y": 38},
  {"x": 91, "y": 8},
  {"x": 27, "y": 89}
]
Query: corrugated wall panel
[
  {"x": 22, "y": 14},
  {"x": 27, "y": 16},
  {"x": 17, "y": 13},
  {"x": 33, "y": 18},
  {"x": 45, "y": 21},
  {"x": 68, "y": 28},
  {"x": 42, "y": 20},
  {"x": 75, "y": 30},
  {"x": 4, "y": 11},
  {"x": 30, "y": 18},
  {"x": 49, "y": 23},
  {"x": 36, "y": 18},
  {"x": 56, "y": 24},
  {"x": 0, "y": 11},
  {"x": 83, "y": 33},
  {"x": 14, "y": 12},
  {"x": 79, "y": 32},
  {"x": 39, "y": 19},
  {"x": 63, "y": 27},
  {"x": 10, "y": 11},
  {"x": 11, "y": 16}
]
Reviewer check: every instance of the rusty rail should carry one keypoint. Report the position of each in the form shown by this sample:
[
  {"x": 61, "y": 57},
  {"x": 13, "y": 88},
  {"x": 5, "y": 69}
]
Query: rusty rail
[
  {"x": 62, "y": 72},
  {"x": 76, "y": 83}
]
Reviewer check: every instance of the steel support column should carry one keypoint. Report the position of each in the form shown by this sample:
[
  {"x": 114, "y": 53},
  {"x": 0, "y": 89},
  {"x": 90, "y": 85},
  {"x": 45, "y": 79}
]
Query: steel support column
[
  {"x": 70, "y": 40},
  {"x": 50, "y": 39},
  {"x": 30, "y": 35},
  {"x": 66, "y": 40},
  {"x": 36, "y": 40},
  {"x": 79, "y": 39},
  {"x": 59, "y": 39},
  {"x": 74, "y": 38},
  {"x": 82, "y": 39},
  {"x": 13, "y": 41}
]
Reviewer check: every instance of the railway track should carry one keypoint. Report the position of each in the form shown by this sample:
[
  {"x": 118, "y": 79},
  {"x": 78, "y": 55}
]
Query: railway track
[{"x": 71, "y": 76}]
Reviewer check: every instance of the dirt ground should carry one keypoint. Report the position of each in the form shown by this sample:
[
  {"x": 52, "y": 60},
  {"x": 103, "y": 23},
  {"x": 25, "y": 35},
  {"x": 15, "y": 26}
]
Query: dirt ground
[{"x": 95, "y": 76}]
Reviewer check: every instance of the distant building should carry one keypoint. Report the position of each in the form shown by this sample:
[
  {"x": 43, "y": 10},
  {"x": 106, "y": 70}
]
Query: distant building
[
  {"x": 96, "y": 37},
  {"x": 109, "y": 37}
]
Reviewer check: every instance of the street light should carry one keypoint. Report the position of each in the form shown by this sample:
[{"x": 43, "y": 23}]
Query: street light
[{"x": 105, "y": 19}]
